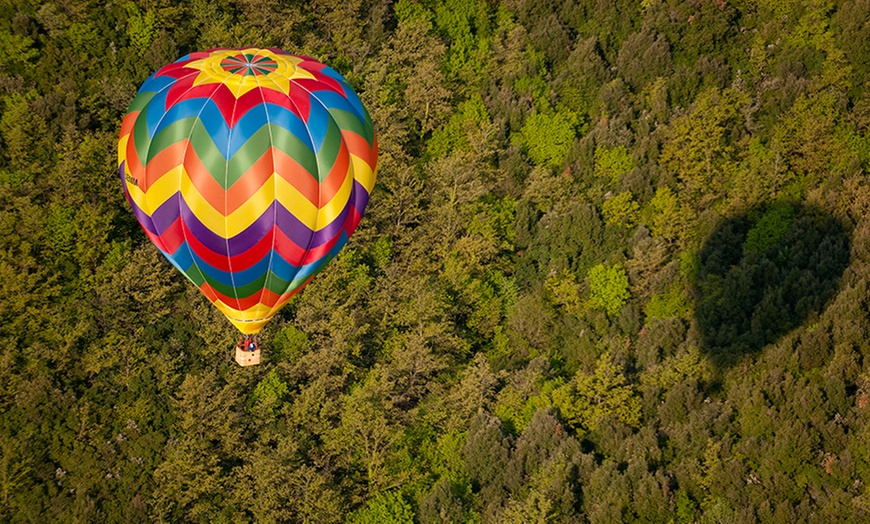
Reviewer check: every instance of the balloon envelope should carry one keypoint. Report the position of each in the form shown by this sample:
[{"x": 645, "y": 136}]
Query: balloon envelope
[{"x": 249, "y": 169}]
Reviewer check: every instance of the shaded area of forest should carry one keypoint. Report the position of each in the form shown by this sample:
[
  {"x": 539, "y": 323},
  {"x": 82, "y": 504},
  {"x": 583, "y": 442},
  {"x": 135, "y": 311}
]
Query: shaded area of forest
[
  {"x": 552, "y": 311},
  {"x": 764, "y": 273}
]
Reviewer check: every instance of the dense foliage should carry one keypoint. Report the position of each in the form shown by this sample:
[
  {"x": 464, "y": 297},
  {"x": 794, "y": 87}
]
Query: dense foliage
[{"x": 616, "y": 269}]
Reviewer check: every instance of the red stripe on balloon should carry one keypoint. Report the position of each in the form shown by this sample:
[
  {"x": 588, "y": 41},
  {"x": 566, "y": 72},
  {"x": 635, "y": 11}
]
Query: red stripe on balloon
[
  {"x": 325, "y": 83},
  {"x": 169, "y": 241},
  {"x": 302, "y": 100},
  {"x": 291, "y": 252},
  {"x": 178, "y": 70},
  {"x": 219, "y": 94},
  {"x": 277, "y": 97},
  {"x": 298, "y": 255},
  {"x": 239, "y": 262},
  {"x": 173, "y": 236}
]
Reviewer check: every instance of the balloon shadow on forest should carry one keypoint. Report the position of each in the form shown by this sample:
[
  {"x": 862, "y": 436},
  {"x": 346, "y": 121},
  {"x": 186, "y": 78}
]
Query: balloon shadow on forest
[{"x": 763, "y": 274}]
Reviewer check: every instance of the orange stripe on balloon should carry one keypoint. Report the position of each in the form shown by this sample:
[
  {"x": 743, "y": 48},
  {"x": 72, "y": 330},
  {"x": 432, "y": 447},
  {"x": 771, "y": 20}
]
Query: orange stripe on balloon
[
  {"x": 335, "y": 178},
  {"x": 163, "y": 163},
  {"x": 296, "y": 175},
  {"x": 203, "y": 180},
  {"x": 209, "y": 292},
  {"x": 223, "y": 201},
  {"x": 133, "y": 165},
  {"x": 258, "y": 174},
  {"x": 250, "y": 182},
  {"x": 360, "y": 147},
  {"x": 276, "y": 301},
  {"x": 128, "y": 123}
]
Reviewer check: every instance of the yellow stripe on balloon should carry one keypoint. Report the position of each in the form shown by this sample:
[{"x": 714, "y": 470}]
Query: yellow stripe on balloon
[
  {"x": 257, "y": 312},
  {"x": 122, "y": 149},
  {"x": 362, "y": 173},
  {"x": 165, "y": 187},
  {"x": 230, "y": 225},
  {"x": 251, "y": 320},
  {"x": 330, "y": 210},
  {"x": 254, "y": 207},
  {"x": 249, "y": 328}
]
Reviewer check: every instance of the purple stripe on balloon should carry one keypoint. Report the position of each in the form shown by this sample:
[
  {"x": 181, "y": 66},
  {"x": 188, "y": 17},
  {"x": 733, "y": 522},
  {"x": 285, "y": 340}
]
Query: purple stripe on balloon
[
  {"x": 168, "y": 212},
  {"x": 360, "y": 199},
  {"x": 147, "y": 221},
  {"x": 165, "y": 215},
  {"x": 142, "y": 217},
  {"x": 237, "y": 244},
  {"x": 293, "y": 228}
]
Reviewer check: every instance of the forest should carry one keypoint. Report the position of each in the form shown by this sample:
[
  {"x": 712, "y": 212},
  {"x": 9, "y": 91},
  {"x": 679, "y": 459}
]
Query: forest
[{"x": 615, "y": 268}]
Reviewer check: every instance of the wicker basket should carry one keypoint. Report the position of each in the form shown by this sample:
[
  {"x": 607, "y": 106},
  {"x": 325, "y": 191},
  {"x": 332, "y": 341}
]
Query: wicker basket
[{"x": 247, "y": 358}]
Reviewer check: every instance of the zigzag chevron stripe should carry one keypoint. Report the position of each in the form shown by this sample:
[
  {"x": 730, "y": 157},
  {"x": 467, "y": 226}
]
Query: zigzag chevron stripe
[
  {"x": 273, "y": 163},
  {"x": 276, "y": 215},
  {"x": 249, "y": 169}
]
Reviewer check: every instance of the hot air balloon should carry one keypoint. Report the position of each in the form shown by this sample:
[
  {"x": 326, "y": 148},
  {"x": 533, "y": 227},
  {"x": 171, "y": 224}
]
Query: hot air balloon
[{"x": 249, "y": 169}]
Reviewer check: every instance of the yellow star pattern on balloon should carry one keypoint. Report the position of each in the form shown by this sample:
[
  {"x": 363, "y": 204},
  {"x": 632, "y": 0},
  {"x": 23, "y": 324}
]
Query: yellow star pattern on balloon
[{"x": 247, "y": 69}]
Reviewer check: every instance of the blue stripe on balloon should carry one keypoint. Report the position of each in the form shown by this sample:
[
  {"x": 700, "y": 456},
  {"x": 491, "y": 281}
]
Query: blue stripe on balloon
[
  {"x": 263, "y": 114},
  {"x": 184, "y": 258},
  {"x": 181, "y": 259},
  {"x": 156, "y": 83},
  {"x": 154, "y": 116},
  {"x": 313, "y": 268},
  {"x": 207, "y": 113},
  {"x": 253, "y": 120},
  {"x": 318, "y": 123},
  {"x": 333, "y": 101},
  {"x": 286, "y": 119},
  {"x": 212, "y": 120}
]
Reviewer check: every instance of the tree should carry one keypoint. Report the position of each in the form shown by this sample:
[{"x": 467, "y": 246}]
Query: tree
[
  {"x": 442, "y": 505},
  {"x": 621, "y": 210},
  {"x": 611, "y": 163},
  {"x": 699, "y": 150},
  {"x": 389, "y": 506},
  {"x": 608, "y": 288},
  {"x": 190, "y": 479},
  {"x": 547, "y": 138},
  {"x": 668, "y": 219},
  {"x": 486, "y": 453},
  {"x": 367, "y": 430},
  {"x": 590, "y": 398},
  {"x": 643, "y": 57}
]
